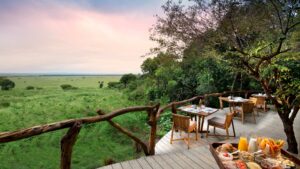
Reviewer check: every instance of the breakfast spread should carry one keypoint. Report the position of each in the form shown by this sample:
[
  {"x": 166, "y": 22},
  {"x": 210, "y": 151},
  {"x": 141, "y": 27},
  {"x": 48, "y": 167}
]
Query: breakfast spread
[{"x": 259, "y": 153}]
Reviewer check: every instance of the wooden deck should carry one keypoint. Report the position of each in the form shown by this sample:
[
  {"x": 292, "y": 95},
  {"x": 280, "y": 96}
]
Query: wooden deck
[{"x": 177, "y": 155}]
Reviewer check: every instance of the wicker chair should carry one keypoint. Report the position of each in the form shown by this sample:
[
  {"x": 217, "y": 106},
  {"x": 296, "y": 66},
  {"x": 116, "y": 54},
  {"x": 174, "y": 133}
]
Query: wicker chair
[
  {"x": 247, "y": 107},
  {"x": 255, "y": 102},
  {"x": 183, "y": 123},
  {"x": 222, "y": 123},
  {"x": 261, "y": 102}
]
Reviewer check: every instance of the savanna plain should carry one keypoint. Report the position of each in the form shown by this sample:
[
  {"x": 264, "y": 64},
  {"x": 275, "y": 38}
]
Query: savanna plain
[{"x": 46, "y": 102}]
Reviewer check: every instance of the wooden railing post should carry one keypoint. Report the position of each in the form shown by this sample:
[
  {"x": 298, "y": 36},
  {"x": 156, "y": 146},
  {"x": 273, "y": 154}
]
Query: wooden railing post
[
  {"x": 173, "y": 108},
  {"x": 153, "y": 124},
  {"x": 67, "y": 143}
]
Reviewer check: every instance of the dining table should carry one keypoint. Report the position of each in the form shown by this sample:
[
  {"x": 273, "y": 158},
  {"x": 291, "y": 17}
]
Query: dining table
[
  {"x": 199, "y": 111},
  {"x": 232, "y": 101}
]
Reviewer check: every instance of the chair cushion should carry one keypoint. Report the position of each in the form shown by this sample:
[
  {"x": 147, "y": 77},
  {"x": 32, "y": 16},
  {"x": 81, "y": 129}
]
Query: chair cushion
[
  {"x": 216, "y": 121},
  {"x": 193, "y": 126}
]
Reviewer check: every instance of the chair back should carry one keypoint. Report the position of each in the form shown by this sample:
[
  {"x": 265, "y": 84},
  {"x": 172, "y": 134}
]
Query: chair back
[
  {"x": 248, "y": 107},
  {"x": 253, "y": 100},
  {"x": 261, "y": 101},
  {"x": 181, "y": 122},
  {"x": 228, "y": 119}
]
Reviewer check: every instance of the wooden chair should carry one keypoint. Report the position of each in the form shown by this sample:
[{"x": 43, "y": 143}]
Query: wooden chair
[
  {"x": 222, "y": 123},
  {"x": 261, "y": 102},
  {"x": 183, "y": 123},
  {"x": 247, "y": 107},
  {"x": 255, "y": 102},
  {"x": 221, "y": 102}
]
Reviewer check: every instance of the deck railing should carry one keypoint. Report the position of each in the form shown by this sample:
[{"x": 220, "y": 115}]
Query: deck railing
[{"x": 75, "y": 125}]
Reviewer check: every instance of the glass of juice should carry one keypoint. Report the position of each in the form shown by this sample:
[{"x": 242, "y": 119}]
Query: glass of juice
[{"x": 243, "y": 144}]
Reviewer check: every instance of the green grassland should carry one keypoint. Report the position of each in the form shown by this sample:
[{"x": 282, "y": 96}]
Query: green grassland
[{"x": 96, "y": 142}]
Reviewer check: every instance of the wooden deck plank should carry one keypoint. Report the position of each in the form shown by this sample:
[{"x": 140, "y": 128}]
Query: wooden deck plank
[
  {"x": 178, "y": 161},
  {"x": 153, "y": 163},
  {"x": 107, "y": 167},
  {"x": 117, "y": 166},
  {"x": 187, "y": 160},
  {"x": 126, "y": 165},
  {"x": 203, "y": 155},
  {"x": 161, "y": 162},
  {"x": 196, "y": 160},
  {"x": 144, "y": 163},
  {"x": 134, "y": 164},
  {"x": 170, "y": 161}
]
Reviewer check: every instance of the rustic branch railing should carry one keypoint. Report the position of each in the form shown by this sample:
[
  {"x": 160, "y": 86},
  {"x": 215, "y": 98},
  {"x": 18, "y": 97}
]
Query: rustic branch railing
[{"x": 74, "y": 126}]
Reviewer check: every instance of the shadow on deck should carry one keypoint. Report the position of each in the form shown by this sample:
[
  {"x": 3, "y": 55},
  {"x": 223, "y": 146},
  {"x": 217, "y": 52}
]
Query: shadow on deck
[{"x": 177, "y": 155}]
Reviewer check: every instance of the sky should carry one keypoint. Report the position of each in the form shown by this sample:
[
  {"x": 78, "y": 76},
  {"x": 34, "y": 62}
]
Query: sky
[{"x": 75, "y": 36}]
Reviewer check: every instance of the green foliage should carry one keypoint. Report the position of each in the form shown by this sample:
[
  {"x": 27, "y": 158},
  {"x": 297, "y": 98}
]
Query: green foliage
[
  {"x": 30, "y": 88},
  {"x": 6, "y": 84},
  {"x": 115, "y": 85},
  {"x": 165, "y": 123},
  {"x": 68, "y": 87},
  {"x": 95, "y": 143},
  {"x": 127, "y": 78},
  {"x": 4, "y": 104},
  {"x": 286, "y": 81}
]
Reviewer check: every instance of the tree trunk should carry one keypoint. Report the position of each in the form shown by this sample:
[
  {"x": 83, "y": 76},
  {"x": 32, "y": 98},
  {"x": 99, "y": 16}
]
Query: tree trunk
[
  {"x": 287, "y": 123},
  {"x": 291, "y": 139}
]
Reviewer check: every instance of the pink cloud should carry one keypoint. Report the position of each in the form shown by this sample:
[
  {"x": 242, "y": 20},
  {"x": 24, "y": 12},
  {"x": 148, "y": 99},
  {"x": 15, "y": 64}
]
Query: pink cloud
[{"x": 72, "y": 39}]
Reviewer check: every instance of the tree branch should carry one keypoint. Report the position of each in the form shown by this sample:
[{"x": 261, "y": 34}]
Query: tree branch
[
  {"x": 269, "y": 57},
  {"x": 294, "y": 113},
  {"x": 294, "y": 25},
  {"x": 278, "y": 15}
]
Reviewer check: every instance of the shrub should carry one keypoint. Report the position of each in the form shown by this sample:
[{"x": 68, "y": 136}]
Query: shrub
[
  {"x": 4, "y": 104},
  {"x": 136, "y": 95},
  {"x": 109, "y": 161},
  {"x": 6, "y": 84},
  {"x": 127, "y": 78},
  {"x": 67, "y": 87},
  {"x": 115, "y": 85},
  {"x": 30, "y": 88}
]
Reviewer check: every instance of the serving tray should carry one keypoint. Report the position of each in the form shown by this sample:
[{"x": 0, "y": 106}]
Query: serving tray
[{"x": 213, "y": 146}]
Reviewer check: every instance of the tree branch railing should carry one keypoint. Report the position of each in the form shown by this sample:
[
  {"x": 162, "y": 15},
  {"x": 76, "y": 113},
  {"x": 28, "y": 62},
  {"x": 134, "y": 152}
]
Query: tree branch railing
[{"x": 74, "y": 126}]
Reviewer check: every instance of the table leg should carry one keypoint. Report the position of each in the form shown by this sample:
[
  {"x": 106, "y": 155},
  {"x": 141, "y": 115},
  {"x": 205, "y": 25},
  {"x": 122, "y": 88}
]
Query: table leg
[
  {"x": 199, "y": 124},
  {"x": 202, "y": 124},
  {"x": 231, "y": 107}
]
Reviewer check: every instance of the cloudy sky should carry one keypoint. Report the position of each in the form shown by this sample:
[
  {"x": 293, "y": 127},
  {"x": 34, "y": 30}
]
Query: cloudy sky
[{"x": 75, "y": 36}]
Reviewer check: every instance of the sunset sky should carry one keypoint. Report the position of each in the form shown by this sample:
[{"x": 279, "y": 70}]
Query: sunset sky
[{"x": 83, "y": 36}]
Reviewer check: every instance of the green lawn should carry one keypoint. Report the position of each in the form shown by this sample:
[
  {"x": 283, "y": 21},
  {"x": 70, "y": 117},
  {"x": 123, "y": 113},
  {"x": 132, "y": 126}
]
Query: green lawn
[{"x": 96, "y": 142}]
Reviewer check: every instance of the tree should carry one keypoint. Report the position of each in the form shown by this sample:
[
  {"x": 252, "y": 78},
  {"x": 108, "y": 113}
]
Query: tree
[
  {"x": 101, "y": 84},
  {"x": 255, "y": 37},
  {"x": 6, "y": 84},
  {"x": 127, "y": 78}
]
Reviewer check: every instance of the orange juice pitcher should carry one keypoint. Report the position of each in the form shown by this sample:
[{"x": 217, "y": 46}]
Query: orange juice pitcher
[{"x": 243, "y": 144}]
